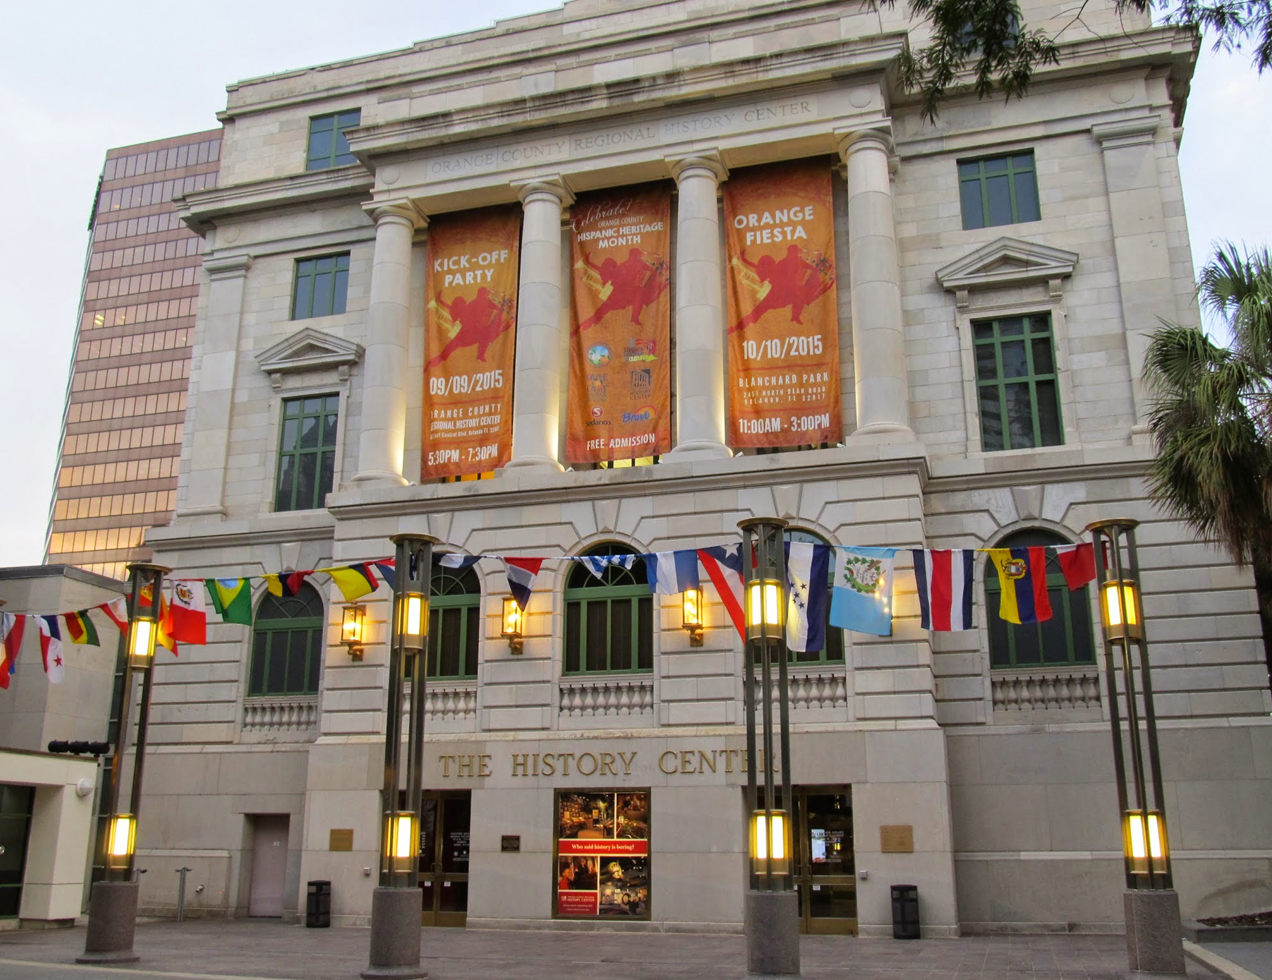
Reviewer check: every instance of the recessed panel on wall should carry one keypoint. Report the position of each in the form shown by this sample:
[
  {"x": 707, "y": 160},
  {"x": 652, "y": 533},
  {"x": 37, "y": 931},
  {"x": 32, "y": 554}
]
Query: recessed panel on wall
[
  {"x": 602, "y": 865},
  {"x": 620, "y": 325},
  {"x": 783, "y": 320},
  {"x": 470, "y": 341}
]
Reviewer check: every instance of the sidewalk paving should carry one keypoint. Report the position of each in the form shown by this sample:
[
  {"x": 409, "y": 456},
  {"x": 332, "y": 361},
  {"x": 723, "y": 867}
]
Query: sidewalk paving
[{"x": 255, "y": 948}]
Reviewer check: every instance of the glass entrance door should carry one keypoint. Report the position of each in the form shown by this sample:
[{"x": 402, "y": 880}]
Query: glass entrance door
[
  {"x": 825, "y": 875},
  {"x": 444, "y": 820}
]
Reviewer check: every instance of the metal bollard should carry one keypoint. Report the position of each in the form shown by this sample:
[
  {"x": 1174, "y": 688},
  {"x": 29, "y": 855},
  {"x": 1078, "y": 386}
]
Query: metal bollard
[{"x": 181, "y": 893}]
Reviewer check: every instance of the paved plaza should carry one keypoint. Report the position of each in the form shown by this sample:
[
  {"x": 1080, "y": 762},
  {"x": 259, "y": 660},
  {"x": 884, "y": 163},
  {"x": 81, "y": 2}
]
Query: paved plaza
[{"x": 248, "y": 948}]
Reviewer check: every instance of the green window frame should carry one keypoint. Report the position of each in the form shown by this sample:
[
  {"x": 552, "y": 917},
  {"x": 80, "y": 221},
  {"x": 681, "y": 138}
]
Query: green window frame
[
  {"x": 1064, "y": 640},
  {"x": 321, "y": 286},
  {"x": 288, "y": 640},
  {"x": 609, "y": 622},
  {"x": 833, "y": 651},
  {"x": 454, "y": 624},
  {"x": 306, "y": 452},
  {"x": 328, "y": 146},
  {"x": 1017, "y": 382},
  {"x": 998, "y": 190}
]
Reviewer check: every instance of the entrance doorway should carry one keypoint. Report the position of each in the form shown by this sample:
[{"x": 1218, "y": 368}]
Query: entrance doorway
[
  {"x": 269, "y": 866},
  {"x": 444, "y": 821},
  {"x": 825, "y": 872}
]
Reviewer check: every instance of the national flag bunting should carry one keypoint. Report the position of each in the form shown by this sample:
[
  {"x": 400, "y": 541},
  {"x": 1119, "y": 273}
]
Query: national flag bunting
[
  {"x": 453, "y": 559},
  {"x": 861, "y": 597},
  {"x": 187, "y": 617},
  {"x": 12, "y": 626},
  {"x": 51, "y": 648},
  {"x": 163, "y": 623},
  {"x": 1022, "y": 573},
  {"x": 286, "y": 584},
  {"x": 117, "y": 612},
  {"x": 597, "y": 564},
  {"x": 807, "y": 597},
  {"x": 521, "y": 576},
  {"x": 80, "y": 628},
  {"x": 387, "y": 571},
  {"x": 724, "y": 568},
  {"x": 944, "y": 580},
  {"x": 354, "y": 581},
  {"x": 1077, "y": 561},
  {"x": 672, "y": 571},
  {"x": 231, "y": 599}
]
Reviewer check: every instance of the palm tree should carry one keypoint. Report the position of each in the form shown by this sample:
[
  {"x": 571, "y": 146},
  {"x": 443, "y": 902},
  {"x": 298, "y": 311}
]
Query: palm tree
[{"x": 1212, "y": 418}]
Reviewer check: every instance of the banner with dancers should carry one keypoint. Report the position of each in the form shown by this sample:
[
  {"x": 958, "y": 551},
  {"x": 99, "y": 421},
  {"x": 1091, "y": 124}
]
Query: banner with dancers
[
  {"x": 470, "y": 340},
  {"x": 620, "y": 325},
  {"x": 783, "y": 318}
]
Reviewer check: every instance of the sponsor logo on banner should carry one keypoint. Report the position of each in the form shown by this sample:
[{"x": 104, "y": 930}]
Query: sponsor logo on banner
[
  {"x": 596, "y": 390},
  {"x": 640, "y": 350},
  {"x": 598, "y": 355},
  {"x": 642, "y": 381}
]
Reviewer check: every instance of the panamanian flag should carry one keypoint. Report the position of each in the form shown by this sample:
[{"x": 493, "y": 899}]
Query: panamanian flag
[{"x": 51, "y": 648}]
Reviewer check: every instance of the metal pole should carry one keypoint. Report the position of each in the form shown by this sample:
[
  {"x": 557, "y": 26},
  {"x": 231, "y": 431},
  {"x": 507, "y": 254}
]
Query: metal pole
[
  {"x": 415, "y": 746},
  {"x": 393, "y": 720},
  {"x": 748, "y": 655},
  {"x": 181, "y": 893}
]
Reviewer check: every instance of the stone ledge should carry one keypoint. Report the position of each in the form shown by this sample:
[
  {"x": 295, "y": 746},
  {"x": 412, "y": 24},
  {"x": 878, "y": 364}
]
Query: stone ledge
[{"x": 1199, "y": 933}]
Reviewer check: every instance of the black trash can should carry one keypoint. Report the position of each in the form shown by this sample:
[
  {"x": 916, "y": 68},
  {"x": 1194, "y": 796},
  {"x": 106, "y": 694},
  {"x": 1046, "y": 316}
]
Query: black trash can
[
  {"x": 318, "y": 905},
  {"x": 905, "y": 911}
]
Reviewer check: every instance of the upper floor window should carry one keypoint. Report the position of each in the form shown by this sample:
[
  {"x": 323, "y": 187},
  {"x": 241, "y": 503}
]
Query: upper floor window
[
  {"x": 454, "y": 624},
  {"x": 287, "y": 644},
  {"x": 1064, "y": 639},
  {"x": 1016, "y": 383},
  {"x": 321, "y": 286},
  {"x": 833, "y": 651},
  {"x": 609, "y": 621},
  {"x": 998, "y": 190},
  {"x": 327, "y": 144},
  {"x": 306, "y": 452}
]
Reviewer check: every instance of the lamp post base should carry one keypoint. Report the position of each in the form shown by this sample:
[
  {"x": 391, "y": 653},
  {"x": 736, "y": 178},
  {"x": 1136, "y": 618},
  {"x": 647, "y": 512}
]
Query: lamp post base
[
  {"x": 1154, "y": 934},
  {"x": 395, "y": 934},
  {"x": 772, "y": 933},
  {"x": 112, "y": 920}
]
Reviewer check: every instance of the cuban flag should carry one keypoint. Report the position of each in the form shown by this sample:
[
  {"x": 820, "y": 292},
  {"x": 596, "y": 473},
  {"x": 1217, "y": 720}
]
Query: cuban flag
[
  {"x": 807, "y": 595},
  {"x": 453, "y": 559},
  {"x": 596, "y": 564},
  {"x": 672, "y": 571},
  {"x": 944, "y": 580},
  {"x": 724, "y": 568},
  {"x": 51, "y": 648},
  {"x": 521, "y": 575}
]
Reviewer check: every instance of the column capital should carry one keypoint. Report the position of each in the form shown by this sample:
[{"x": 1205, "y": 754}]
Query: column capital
[
  {"x": 874, "y": 137},
  {"x": 702, "y": 160},
  {"x": 398, "y": 210},
  {"x": 549, "y": 185},
  {"x": 227, "y": 266},
  {"x": 1127, "y": 132}
]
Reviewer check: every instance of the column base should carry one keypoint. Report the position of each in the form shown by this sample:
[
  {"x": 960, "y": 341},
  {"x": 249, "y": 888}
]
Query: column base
[
  {"x": 395, "y": 934},
  {"x": 209, "y": 511},
  {"x": 890, "y": 431},
  {"x": 700, "y": 449},
  {"x": 112, "y": 921},
  {"x": 772, "y": 934},
  {"x": 1154, "y": 933},
  {"x": 535, "y": 463},
  {"x": 380, "y": 476}
]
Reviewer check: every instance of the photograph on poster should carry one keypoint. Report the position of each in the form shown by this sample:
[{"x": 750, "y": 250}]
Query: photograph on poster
[
  {"x": 624, "y": 886},
  {"x": 602, "y": 846}
]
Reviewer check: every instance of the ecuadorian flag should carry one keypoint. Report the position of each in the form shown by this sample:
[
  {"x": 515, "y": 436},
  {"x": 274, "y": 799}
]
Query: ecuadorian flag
[{"x": 1022, "y": 573}]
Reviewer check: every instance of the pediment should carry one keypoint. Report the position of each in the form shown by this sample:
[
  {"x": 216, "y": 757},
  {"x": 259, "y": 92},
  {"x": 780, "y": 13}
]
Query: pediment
[
  {"x": 1007, "y": 262},
  {"x": 309, "y": 350}
]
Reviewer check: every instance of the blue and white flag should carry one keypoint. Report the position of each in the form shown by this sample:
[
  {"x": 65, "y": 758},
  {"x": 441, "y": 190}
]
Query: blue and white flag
[
  {"x": 672, "y": 571},
  {"x": 807, "y": 597},
  {"x": 596, "y": 564},
  {"x": 861, "y": 598},
  {"x": 453, "y": 559}
]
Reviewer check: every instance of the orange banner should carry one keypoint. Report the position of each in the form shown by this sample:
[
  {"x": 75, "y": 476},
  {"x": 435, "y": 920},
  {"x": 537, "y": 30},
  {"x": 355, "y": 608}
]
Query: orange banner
[
  {"x": 470, "y": 340},
  {"x": 784, "y": 387},
  {"x": 620, "y": 326}
]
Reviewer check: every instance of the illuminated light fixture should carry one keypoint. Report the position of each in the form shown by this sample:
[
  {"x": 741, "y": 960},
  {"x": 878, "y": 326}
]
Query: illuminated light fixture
[
  {"x": 412, "y": 619},
  {"x": 1122, "y": 616},
  {"x": 770, "y": 850},
  {"x": 399, "y": 838},
  {"x": 1145, "y": 838},
  {"x": 691, "y": 615},
  {"x": 351, "y": 629},
  {"x": 764, "y": 608},
  {"x": 512, "y": 616},
  {"x": 120, "y": 840},
  {"x": 141, "y": 641}
]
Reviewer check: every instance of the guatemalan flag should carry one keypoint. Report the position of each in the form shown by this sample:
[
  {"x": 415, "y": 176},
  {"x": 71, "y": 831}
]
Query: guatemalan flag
[
  {"x": 807, "y": 598},
  {"x": 724, "y": 568},
  {"x": 521, "y": 575},
  {"x": 861, "y": 598},
  {"x": 944, "y": 580},
  {"x": 1022, "y": 573},
  {"x": 672, "y": 571},
  {"x": 51, "y": 648},
  {"x": 596, "y": 564}
]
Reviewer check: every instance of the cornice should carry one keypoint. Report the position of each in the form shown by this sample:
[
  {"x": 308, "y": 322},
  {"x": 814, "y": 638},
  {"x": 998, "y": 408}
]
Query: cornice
[
  {"x": 1007, "y": 261},
  {"x": 200, "y": 210},
  {"x": 1039, "y": 473},
  {"x": 180, "y": 534}
]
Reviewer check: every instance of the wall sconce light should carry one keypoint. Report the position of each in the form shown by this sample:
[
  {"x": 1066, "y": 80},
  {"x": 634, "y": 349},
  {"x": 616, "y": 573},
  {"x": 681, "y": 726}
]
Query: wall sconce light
[
  {"x": 770, "y": 851},
  {"x": 512, "y": 625},
  {"x": 351, "y": 629},
  {"x": 691, "y": 615}
]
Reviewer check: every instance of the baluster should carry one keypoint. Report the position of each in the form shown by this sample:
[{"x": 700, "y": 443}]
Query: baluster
[{"x": 1047, "y": 688}]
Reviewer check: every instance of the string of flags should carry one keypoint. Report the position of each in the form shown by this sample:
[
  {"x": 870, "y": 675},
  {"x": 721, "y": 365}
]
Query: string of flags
[{"x": 860, "y": 597}]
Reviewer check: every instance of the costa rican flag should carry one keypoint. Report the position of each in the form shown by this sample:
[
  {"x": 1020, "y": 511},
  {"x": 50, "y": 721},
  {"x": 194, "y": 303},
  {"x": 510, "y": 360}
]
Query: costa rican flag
[
  {"x": 944, "y": 579},
  {"x": 724, "y": 568},
  {"x": 672, "y": 571},
  {"x": 521, "y": 575}
]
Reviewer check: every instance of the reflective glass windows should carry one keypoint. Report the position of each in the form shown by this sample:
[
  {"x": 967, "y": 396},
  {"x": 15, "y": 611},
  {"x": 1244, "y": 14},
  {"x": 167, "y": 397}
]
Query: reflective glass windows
[
  {"x": 306, "y": 452},
  {"x": 1016, "y": 383},
  {"x": 1001, "y": 190},
  {"x": 327, "y": 144},
  {"x": 321, "y": 286}
]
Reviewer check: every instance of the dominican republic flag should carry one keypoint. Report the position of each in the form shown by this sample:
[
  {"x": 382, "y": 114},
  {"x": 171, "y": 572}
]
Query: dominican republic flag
[
  {"x": 453, "y": 559},
  {"x": 861, "y": 598},
  {"x": 807, "y": 595},
  {"x": 596, "y": 564},
  {"x": 672, "y": 571},
  {"x": 12, "y": 625},
  {"x": 1022, "y": 573},
  {"x": 944, "y": 579},
  {"x": 1077, "y": 561},
  {"x": 187, "y": 613},
  {"x": 51, "y": 648},
  {"x": 724, "y": 568},
  {"x": 521, "y": 575}
]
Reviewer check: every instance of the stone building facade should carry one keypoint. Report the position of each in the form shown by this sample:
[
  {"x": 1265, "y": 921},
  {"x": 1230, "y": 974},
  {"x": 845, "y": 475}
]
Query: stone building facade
[{"x": 989, "y": 787}]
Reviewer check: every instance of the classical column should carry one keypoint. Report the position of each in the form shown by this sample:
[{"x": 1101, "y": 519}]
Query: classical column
[
  {"x": 382, "y": 440},
  {"x": 700, "y": 313},
  {"x": 878, "y": 342},
  {"x": 536, "y": 396},
  {"x": 210, "y": 414}
]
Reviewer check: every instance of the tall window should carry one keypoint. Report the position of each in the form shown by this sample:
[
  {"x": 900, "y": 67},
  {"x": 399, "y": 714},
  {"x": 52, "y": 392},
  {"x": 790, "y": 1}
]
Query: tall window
[
  {"x": 609, "y": 622},
  {"x": 321, "y": 286},
  {"x": 306, "y": 452},
  {"x": 998, "y": 190},
  {"x": 287, "y": 644},
  {"x": 454, "y": 624},
  {"x": 1016, "y": 383},
  {"x": 327, "y": 144},
  {"x": 1062, "y": 640},
  {"x": 833, "y": 651}
]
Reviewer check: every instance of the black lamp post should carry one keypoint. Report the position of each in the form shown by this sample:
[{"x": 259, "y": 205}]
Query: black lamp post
[
  {"x": 396, "y": 904},
  {"x": 112, "y": 906},
  {"x": 1154, "y": 941},
  {"x": 772, "y": 904}
]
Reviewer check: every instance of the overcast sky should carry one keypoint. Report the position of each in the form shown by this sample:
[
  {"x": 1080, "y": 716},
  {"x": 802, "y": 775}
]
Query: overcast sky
[{"x": 79, "y": 78}]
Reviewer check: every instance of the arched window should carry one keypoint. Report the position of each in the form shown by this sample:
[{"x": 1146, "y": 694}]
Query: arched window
[
  {"x": 287, "y": 644},
  {"x": 833, "y": 651},
  {"x": 609, "y": 621},
  {"x": 454, "y": 624},
  {"x": 1063, "y": 639}
]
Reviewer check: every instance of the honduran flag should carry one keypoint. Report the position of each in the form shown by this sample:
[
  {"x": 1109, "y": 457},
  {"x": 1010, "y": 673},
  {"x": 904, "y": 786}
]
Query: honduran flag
[
  {"x": 12, "y": 626},
  {"x": 354, "y": 581},
  {"x": 1077, "y": 561},
  {"x": 807, "y": 595},
  {"x": 944, "y": 580},
  {"x": 51, "y": 648},
  {"x": 724, "y": 568},
  {"x": 1022, "y": 573},
  {"x": 521, "y": 575},
  {"x": 672, "y": 571},
  {"x": 597, "y": 564}
]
